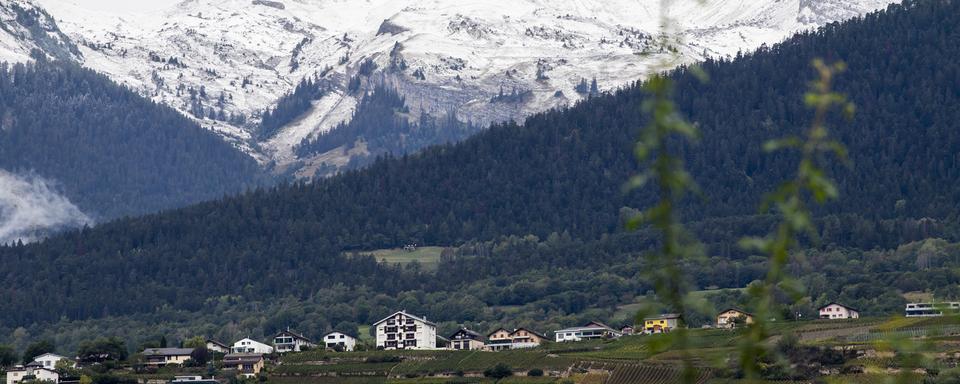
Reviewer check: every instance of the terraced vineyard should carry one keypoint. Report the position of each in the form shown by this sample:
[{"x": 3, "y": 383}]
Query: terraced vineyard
[
  {"x": 647, "y": 374},
  {"x": 477, "y": 361},
  {"x": 342, "y": 369},
  {"x": 621, "y": 361}
]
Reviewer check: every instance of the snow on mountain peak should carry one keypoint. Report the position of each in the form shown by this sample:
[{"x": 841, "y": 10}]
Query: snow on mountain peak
[{"x": 226, "y": 61}]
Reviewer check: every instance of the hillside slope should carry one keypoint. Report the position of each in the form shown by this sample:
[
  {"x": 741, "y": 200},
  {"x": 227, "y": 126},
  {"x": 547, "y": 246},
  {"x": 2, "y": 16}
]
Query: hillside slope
[
  {"x": 559, "y": 173},
  {"x": 109, "y": 151}
]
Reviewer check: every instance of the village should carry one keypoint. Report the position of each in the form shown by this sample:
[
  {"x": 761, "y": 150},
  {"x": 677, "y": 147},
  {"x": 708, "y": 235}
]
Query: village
[{"x": 402, "y": 331}]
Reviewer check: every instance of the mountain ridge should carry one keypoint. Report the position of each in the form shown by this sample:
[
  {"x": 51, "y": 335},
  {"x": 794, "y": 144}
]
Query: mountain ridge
[{"x": 442, "y": 56}]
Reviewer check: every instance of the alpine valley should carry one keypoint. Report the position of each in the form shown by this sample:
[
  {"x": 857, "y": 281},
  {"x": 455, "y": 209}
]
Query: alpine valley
[{"x": 755, "y": 192}]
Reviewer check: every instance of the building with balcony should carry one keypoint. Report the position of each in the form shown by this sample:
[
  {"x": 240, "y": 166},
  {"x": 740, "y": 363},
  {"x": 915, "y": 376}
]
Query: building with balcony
[
  {"x": 402, "y": 330},
  {"x": 289, "y": 341}
]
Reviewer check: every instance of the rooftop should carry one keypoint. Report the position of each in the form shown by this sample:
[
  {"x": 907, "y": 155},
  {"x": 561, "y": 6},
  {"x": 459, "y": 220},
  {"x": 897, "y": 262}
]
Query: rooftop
[
  {"x": 666, "y": 316},
  {"x": 167, "y": 351},
  {"x": 404, "y": 313}
]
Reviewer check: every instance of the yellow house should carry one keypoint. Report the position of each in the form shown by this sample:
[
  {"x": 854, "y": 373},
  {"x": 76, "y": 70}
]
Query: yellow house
[
  {"x": 661, "y": 324},
  {"x": 246, "y": 364},
  {"x": 728, "y": 318}
]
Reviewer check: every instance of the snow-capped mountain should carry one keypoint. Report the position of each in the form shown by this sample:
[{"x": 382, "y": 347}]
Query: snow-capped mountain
[
  {"x": 25, "y": 28},
  {"x": 226, "y": 61}
]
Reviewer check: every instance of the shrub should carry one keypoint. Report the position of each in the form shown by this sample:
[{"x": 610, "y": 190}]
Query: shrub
[
  {"x": 498, "y": 371},
  {"x": 383, "y": 359},
  {"x": 536, "y": 372}
]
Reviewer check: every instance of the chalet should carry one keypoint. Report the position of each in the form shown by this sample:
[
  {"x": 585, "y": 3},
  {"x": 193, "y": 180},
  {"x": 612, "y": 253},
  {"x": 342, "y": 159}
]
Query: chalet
[
  {"x": 402, "y": 330},
  {"x": 339, "y": 341},
  {"x": 289, "y": 341},
  {"x": 33, "y": 372},
  {"x": 503, "y": 339},
  {"x": 932, "y": 309},
  {"x": 499, "y": 340},
  {"x": 589, "y": 331},
  {"x": 218, "y": 347},
  {"x": 627, "y": 330},
  {"x": 166, "y": 356},
  {"x": 525, "y": 338},
  {"x": 834, "y": 311},
  {"x": 250, "y": 346},
  {"x": 661, "y": 324},
  {"x": 729, "y": 318},
  {"x": 245, "y": 364},
  {"x": 466, "y": 340}
]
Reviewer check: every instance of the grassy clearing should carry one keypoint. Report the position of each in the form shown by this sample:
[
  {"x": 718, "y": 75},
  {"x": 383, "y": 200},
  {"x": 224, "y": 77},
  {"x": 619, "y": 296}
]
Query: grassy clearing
[{"x": 428, "y": 257}]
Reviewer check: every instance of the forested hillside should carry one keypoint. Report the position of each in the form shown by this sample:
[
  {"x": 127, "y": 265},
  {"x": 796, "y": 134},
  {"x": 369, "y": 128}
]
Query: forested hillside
[
  {"x": 559, "y": 176},
  {"x": 112, "y": 152}
]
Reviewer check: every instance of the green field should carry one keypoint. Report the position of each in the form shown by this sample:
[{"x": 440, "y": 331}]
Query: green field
[{"x": 428, "y": 257}]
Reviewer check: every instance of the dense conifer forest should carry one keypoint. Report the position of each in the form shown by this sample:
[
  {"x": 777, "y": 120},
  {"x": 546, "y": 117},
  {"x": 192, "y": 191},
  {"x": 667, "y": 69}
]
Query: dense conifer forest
[
  {"x": 112, "y": 152},
  {"x": 535, "y": 204}
]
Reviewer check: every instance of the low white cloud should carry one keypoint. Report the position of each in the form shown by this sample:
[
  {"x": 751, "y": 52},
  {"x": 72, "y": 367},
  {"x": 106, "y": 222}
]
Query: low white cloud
[{"x": 30, "y": 208}]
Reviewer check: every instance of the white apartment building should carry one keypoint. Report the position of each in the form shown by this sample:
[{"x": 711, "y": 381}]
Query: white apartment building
[
  {"x": 402, "y": 330},
  {"x": 334, "y": 339}
]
